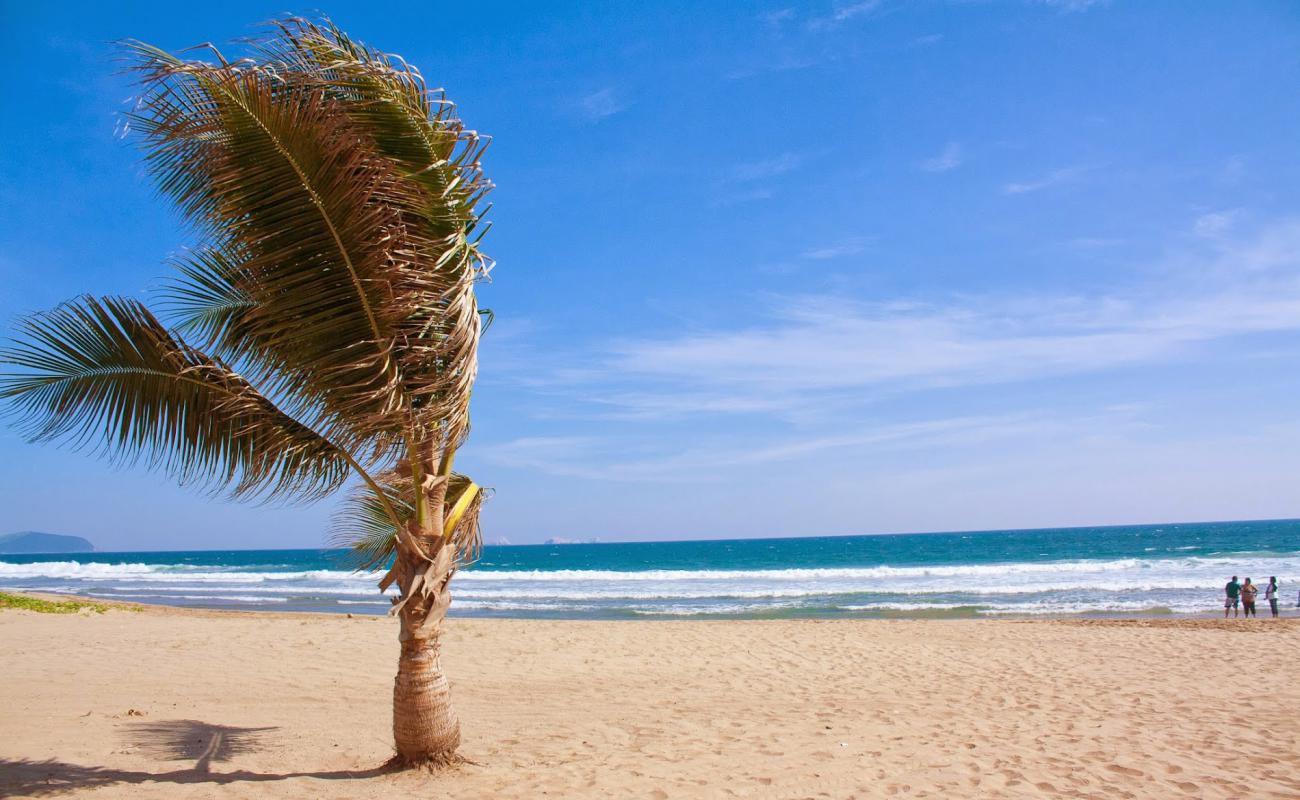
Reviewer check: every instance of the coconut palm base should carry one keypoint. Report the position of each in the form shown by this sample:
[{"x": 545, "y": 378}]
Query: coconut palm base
[
  {"x": 425, "y": 726},
  {"x": 432, "y": 764}
]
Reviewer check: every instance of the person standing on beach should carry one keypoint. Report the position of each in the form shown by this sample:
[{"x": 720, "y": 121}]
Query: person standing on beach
[
  {"x": 1248, "y": 592},
  {"x": 1270, "y": 594},
  {"x": 1231, "y": 593}
]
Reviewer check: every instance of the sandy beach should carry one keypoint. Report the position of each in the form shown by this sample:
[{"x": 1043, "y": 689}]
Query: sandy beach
[{"x": 172, "y": 703}]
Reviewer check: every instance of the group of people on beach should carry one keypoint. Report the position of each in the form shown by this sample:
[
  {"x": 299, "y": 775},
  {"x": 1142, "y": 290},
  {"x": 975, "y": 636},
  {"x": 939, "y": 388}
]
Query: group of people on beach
[{"x": 1239, "y": 598}]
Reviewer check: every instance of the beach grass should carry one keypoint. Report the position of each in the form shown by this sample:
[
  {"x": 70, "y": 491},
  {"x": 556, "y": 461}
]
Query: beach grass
[{"x": 41, "y": 606}]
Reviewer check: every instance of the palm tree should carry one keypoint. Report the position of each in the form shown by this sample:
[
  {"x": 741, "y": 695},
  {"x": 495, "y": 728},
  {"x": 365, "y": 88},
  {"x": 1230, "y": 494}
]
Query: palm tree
[{"x": 323, "y": 332}]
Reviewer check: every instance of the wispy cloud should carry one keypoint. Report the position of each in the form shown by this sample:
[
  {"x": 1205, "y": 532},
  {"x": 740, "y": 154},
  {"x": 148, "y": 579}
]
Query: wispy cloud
[
  {"x": 844, "y": 247},
  {"x": 1216, "y": 223},
  {"x": 776, "y": 17},
  {"x": 1072, "y": 6},
  {"x": 927, "y": 40},
  {"x": 593, "y": 458},
  {"x": 767, "y": 167},
  {"x": 1234, "y": 169},
  {"x": 819, "y": 346},
  {"x": 744, "y": 196},
  {"x": 856, "y": 397},
  {"x": 1054, "y": 178},
  {"x": 745, "y": 182},
  {"x": 948, "y": 159},
  {"x": 843, "y": 12},
  {"x": 601, "y": 104},
  {"x": 797, "y": 41},
  {"x": 1095, "y": 242},
  {"x": 824, "y": 350},
  {"x": 786, "y": 62}
]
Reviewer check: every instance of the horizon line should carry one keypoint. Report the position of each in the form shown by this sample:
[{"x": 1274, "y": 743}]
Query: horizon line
[{"x": 715, "y": 539}]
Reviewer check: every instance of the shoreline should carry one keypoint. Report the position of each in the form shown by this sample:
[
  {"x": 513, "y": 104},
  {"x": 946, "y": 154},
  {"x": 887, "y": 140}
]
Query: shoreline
[
  {"x": 920, "y": 616},
  {"x": 1283, "y": 623}
]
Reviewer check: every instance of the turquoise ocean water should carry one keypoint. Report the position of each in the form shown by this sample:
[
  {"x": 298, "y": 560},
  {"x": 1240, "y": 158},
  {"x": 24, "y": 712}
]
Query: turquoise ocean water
[{"x": 1148, "y": 569}]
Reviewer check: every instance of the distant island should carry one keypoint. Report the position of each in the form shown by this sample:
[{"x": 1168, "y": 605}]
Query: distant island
[
  {"x": 37, "y": 542},
  {"x": 572, "y": 541}
]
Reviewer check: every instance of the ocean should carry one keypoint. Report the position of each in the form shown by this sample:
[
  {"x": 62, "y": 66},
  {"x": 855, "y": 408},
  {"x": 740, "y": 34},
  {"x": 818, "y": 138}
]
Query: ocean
[{"x": 1142, "y": 569}]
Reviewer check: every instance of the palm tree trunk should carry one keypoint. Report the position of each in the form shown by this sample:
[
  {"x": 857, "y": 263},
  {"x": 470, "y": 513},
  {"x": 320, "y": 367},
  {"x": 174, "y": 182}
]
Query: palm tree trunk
[{"x": 425, "y": 727}]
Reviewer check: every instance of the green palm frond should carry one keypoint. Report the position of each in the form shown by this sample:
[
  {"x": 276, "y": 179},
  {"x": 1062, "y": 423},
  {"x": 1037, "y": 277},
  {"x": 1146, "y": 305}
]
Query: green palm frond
[
  {"x": 209, "y": 301},
  {"x": 363, "y": 526},
  {"x": 329, "y": 302},
  {"x": 281, "y": 183},
  {"x": 105, "y": 373},
  {"x": 443, "y": 214}
]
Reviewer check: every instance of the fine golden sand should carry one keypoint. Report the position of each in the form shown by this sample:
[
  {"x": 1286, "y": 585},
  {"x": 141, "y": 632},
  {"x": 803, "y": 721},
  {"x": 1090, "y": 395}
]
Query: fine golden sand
[{"x": 167, "y": 703}]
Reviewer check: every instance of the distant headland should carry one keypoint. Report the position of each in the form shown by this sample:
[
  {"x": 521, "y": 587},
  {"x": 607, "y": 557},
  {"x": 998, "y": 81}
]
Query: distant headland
[{"x": 37, "y": 542}]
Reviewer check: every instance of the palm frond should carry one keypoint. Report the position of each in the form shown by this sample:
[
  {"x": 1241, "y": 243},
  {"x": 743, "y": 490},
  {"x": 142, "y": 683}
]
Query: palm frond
[
  {"x": 209, "y": 301},
  {"x": 284, "y": 185},
  {"x": 363, "y": 526},
  {"x": 443, "y": 221},
  {"x": 340, "y": 207},
  {"x": 463, "y": 530},
  {"x": 105, "y": 373}
]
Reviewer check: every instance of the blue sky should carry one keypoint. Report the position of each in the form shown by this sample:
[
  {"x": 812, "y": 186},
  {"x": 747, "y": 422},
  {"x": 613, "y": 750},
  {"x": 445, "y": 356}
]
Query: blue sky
[{"x": 774, "y": 268}]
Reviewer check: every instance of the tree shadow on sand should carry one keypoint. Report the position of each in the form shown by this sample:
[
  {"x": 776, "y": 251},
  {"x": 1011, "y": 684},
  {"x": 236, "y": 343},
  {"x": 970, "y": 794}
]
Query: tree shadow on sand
[
  {"x": 191, "y": 740},
  {"x": 173, "y": 740}
]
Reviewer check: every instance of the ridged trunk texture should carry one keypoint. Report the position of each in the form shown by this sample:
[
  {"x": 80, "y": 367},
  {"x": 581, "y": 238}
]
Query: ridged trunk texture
[{"x": 425, "y": 727}]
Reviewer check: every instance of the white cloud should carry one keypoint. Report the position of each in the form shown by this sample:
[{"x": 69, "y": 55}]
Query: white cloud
[
  {"x": 949, "y": 158},
  {"x": 1053, "y": 178},
  {"x": 1094, "y": 242},
  {"x": 1234, "y": 169},
  {"x": 777, "y": 16},
  {"x": 1072, "y": 6},
  {"x": 1216, "y": 223},
  {"x": 825, "y": 345},
  {"x": 744, "y": 196},
  {"x": 847, "y": 11},
  {"x": 824, "y": 393},
  {"x": 820, "y": 351},
  {"x": 632, "y": 460},
  {"x": 845, "y": 247},
  {"x": 784, "y": 62},
  {"x": 601, "y": 104},
  {"x": 544, "y": 453},
  {"x": 843, "y": 12},
  {"x": 767, "y": 167}
]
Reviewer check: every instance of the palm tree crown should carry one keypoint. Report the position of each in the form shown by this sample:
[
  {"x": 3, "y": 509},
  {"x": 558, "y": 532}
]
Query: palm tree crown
[{"x": 324, "y": 328}]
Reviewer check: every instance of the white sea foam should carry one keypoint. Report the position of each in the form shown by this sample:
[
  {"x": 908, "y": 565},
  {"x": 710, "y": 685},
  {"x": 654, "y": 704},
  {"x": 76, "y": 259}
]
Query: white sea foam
[
  {"x": 225, "y": 598},
  {"x": 1123, "y": 584},
  {"x": 188, "y": 573},
  {"x": 168, "y": 573}
]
